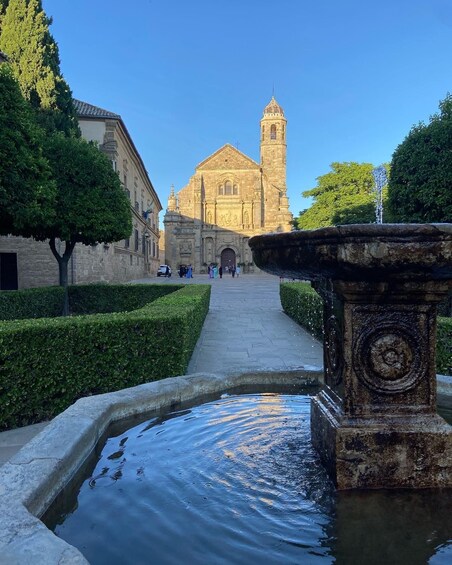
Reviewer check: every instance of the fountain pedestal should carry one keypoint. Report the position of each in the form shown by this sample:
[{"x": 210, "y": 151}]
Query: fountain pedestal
[{"x": 375, "y": 423}]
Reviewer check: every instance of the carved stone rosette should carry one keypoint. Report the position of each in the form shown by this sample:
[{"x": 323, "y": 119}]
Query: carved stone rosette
[{"x": 389, "y": 357}]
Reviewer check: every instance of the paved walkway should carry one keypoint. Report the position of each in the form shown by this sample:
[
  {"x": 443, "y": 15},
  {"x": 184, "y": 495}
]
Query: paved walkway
[{"x": 245, "y": 330}]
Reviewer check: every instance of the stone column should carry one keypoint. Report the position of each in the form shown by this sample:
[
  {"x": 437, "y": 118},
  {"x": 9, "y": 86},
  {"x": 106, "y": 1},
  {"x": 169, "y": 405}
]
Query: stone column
[{"x": 375, "y": 423}]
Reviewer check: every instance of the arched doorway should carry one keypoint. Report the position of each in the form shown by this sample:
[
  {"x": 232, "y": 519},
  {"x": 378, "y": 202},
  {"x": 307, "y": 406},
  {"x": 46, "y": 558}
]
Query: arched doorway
[{"x": 227, "y": 258}]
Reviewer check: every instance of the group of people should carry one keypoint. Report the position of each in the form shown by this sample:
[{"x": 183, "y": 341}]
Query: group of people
[
  {"x": 186, "y": 271},
  {"x": 215, "y": 271}
]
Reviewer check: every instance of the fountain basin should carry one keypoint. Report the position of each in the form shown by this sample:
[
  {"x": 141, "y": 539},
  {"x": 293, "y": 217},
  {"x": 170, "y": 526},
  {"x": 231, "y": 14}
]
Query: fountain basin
[
  {"x": 384, "y": 252},
  {"x": 375, "y": 423},
  {"x": 32, "y": 479}
]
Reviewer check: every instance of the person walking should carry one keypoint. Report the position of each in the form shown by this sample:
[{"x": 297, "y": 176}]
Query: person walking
[
  {"x": 233, "y": 271},
  {"x": 220, "y": 272},
  {"x": 237, "y": 271}
]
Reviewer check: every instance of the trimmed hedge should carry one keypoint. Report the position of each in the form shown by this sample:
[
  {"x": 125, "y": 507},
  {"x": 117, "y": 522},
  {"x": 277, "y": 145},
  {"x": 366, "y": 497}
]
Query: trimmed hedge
[
  {"x": 47, "y": 364},
  {"x": 300, "y": 301},
  {"x": 106, "y": 298},
  {"x": 44, "y": 302},
  {"x": 304, "y": 305},
  {"x": 83, "y": 299}
]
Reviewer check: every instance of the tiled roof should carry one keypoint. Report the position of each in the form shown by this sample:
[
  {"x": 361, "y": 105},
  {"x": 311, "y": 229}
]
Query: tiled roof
[{"x": 85, "y": 110}]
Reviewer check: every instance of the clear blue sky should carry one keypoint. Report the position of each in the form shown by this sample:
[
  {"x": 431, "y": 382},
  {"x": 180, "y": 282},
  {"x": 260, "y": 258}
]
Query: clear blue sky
[{"x": 353, "y": 76}]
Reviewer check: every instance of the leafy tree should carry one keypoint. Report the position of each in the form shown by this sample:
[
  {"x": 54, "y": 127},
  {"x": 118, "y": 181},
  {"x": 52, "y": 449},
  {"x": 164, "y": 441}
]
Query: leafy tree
[
  {"x": 26, "y": 189},
  {"x": 33, "y": 53},
  {"x": 421, "y": 171},
  {"x": 344, "y": 195},
  {"x": 90, "y": 205}
]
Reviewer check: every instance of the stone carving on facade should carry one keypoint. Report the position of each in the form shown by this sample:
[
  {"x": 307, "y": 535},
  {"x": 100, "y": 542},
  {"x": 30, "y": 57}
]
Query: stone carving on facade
[
  {"x": 185, "y": 247},
  {"x": 209, "y": 254}
]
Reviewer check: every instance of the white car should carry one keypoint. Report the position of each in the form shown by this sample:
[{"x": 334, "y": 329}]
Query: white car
[{"x": 164, "y": 271}]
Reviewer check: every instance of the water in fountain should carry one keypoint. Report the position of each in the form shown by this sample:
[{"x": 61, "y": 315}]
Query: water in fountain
[
  {"x": 380, "y": 180},
  {"x": 236, "y": 481}
]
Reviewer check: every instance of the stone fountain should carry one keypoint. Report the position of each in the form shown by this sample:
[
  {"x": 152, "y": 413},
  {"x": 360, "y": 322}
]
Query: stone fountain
[{"x": 375, "y": 424}]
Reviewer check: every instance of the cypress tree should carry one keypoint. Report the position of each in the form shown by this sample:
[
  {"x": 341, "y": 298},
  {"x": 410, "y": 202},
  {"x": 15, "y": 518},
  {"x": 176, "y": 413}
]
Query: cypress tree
[{"x": 33, "y": 53}]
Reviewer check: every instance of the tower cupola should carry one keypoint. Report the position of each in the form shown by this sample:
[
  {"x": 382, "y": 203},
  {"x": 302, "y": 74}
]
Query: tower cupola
[
  {"x": 172, "y": 200},
  {"x": 273, "y": 108}
]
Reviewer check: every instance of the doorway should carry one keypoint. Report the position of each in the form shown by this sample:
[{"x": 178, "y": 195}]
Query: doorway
[
  {"x": 227, "y": 259},
  {"x": 8, "y": 271}
]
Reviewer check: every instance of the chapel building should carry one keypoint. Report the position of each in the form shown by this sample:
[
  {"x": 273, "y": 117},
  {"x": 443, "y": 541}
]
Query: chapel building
[{"x": 229, "y": 199}]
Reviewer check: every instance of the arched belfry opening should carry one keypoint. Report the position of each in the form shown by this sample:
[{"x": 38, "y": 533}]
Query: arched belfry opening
[{"x": 228, "y": 258}]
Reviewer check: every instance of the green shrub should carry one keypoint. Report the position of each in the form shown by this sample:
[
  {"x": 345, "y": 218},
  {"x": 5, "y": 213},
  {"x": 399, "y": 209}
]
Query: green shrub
[
  {"x": 31, "y": 303},
  {"x": 444, "y": 346},
  {"x": 46, "y": 364},
  {"x": 105, "y": 298},
  {"x": 83, "y": 299},
  {"x": 300, "y": 301}
]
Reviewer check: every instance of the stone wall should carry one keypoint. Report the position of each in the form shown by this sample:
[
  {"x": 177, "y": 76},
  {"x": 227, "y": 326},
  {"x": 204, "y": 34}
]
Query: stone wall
[{"x": 37, "y": 266}]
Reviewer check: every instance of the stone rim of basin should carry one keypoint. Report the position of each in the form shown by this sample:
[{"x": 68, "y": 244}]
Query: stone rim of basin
[{"x": 358, "y": 251}]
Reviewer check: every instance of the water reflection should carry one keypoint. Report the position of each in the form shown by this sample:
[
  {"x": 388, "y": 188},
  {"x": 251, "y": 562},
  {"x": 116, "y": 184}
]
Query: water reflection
[{"x": 236, "y": 481}]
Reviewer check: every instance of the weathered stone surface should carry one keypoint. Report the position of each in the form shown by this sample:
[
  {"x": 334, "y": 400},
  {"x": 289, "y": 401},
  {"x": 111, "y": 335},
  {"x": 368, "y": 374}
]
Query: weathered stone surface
[{"x": 375, "y": 424}]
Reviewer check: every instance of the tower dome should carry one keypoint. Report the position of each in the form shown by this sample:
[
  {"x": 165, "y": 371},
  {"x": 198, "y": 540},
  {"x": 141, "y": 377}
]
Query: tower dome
[{"x": 273, "y": 108}]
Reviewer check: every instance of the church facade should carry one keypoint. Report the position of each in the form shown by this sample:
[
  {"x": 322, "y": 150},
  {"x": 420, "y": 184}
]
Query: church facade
[{"x": 229, "y": 199}]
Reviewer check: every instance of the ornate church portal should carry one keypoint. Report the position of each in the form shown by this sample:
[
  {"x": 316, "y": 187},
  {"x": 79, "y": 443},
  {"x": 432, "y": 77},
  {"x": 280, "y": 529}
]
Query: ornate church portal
[
  {"x": 229, "y": 199},
  {"x": 228, "y": 258}
]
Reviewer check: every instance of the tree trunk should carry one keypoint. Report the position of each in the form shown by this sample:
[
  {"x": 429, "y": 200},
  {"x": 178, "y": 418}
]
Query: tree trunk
[{"x": 63, "y": 261}]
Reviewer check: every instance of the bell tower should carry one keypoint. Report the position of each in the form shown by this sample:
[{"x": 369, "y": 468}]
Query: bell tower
[{"x": 273, "y": 165}]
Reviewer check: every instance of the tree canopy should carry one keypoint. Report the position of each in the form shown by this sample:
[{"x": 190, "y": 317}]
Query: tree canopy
[
  {"x": 421, "y": 171},
  {"x": 342, "y": 196},
  {"x": 26, "y": 188},
  {"x": 90, "y": 205},
  {"x": 33, "y": 53}
]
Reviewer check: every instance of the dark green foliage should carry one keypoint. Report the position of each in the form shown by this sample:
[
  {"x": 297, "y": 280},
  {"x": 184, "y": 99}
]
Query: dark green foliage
[
  {"x": 26, "y": 191},
  {"x": 45, "y": 365},
  {"x": 90, "y": 205},
  {"x": 83, "y": 299},
  {"x": 33, "y": 53},
  {"x": 355, "y": 214},
  {"x": 300, "y": 301},
  {"x": 342, "y": 196},
  {"x": 106, "y": 298},
  {"x": 421, "y": 171},
  {"x": 444, "y": 346},
  {"x": 31, "y": 303}
]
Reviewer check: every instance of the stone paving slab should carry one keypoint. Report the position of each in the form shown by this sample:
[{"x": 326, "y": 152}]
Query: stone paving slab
[{"x": 248, "y": 328}]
